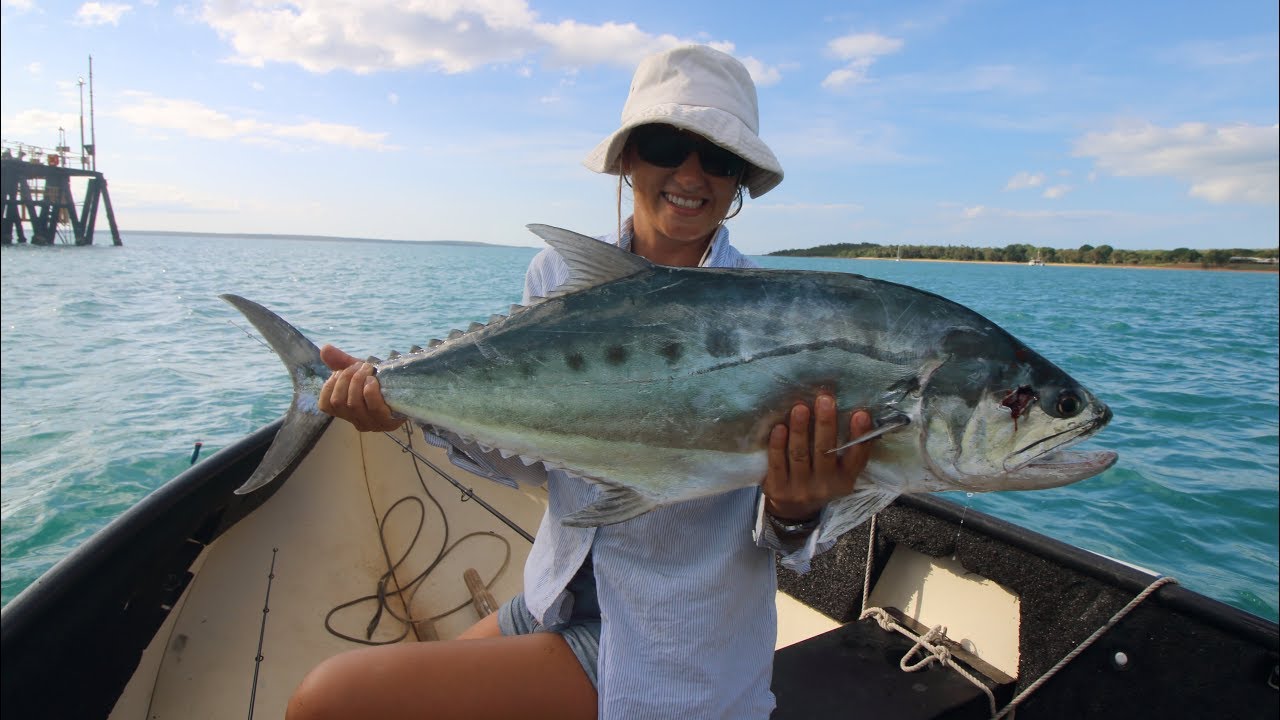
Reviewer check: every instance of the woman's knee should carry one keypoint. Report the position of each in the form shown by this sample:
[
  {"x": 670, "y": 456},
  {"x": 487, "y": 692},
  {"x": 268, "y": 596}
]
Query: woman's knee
[{"x": 331, "y": 688}]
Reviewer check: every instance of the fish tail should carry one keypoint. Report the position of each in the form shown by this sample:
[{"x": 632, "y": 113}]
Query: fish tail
[{"x": 304, "y": 423}]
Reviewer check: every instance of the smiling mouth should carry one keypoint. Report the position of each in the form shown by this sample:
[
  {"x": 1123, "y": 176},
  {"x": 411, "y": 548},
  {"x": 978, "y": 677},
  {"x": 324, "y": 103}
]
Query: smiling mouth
[{"x": 683, "y": 202}]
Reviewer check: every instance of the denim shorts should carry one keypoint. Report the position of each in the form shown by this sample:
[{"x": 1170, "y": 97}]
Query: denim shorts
[{"x": 581, "y": 631}]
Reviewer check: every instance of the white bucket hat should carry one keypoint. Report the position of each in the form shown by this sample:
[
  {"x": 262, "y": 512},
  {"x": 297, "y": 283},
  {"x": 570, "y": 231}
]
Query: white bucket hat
[{"x": 701, "y": 90}]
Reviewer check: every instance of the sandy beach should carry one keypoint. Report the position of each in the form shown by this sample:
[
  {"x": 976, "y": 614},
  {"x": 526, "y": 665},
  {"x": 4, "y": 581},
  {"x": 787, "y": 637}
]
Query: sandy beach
[{"x": 1235, "y": 267}]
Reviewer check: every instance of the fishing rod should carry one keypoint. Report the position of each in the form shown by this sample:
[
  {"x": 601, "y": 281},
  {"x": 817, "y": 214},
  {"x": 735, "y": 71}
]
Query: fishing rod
[{"x": 407, "y": 447}]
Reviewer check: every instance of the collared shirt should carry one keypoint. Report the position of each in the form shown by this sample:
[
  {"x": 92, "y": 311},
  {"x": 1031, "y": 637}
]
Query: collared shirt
[{"x": 686, "y": 591}]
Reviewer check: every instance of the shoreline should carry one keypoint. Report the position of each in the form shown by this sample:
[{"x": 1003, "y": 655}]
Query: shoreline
[{"x": 1237, "y": 267}]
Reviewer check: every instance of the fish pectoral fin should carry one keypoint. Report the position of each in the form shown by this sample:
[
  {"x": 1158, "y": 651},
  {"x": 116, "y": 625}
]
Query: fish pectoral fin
[
  {"x": 615, "y": 505},
  {"x": 888, "y": 424}
]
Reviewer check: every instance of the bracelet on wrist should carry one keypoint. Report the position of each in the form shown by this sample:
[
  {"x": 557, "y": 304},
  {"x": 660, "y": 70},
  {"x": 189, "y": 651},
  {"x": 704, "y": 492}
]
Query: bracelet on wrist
[{"x": 790, "y": 527}]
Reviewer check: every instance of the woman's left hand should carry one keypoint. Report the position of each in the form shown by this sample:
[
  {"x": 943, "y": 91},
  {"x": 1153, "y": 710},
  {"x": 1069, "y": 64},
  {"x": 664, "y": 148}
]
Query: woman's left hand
[{"x": 803, "y": 475}]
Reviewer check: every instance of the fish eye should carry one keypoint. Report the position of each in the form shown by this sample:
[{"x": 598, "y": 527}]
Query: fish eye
[{"x": 1069, "y": 404}]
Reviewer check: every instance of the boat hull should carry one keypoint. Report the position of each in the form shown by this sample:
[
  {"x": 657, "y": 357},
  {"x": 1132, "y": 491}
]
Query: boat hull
[{"x": 161, "y": 614}]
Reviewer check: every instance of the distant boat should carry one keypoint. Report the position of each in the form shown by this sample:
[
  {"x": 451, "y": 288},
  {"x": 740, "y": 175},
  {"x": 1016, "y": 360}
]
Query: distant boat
[
  {"x": 899, "y": 257},
  {"x": 1036, "y": 260}
]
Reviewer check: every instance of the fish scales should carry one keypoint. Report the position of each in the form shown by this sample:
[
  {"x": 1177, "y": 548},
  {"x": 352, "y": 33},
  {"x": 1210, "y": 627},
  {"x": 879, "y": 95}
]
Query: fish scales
[{"x": 707, "y": 374}]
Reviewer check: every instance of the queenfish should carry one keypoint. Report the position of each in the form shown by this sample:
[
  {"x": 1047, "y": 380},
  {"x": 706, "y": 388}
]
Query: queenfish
[{"x": 663, "y": 383}]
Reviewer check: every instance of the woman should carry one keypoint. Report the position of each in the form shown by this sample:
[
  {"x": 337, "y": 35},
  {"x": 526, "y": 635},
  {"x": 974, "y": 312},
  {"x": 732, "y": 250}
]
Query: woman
[{"x": 670, "y": 614}]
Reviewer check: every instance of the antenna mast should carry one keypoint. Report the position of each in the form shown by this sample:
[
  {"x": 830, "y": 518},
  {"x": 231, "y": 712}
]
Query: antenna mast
[
  {"x": 83, "y": 159},
  {"x": 93, "y": 136}
]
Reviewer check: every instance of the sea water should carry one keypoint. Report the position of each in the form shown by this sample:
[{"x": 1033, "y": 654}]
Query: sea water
[{"x": 116, "y": 361}]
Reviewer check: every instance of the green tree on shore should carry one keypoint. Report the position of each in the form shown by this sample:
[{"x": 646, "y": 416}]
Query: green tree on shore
[{"x": 1023, "y": 252}]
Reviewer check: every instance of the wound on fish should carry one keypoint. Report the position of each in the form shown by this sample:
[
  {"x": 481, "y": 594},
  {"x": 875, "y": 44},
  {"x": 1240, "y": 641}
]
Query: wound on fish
[{"x": 1017, "y": 402}]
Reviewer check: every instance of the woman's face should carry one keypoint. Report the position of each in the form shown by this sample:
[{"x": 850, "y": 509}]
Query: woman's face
[{"x": 682, "y": 205}]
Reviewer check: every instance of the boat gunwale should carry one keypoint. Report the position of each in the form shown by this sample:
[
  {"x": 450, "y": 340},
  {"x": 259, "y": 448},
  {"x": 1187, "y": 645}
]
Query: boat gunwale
[{"x": 1102, "y": 568}]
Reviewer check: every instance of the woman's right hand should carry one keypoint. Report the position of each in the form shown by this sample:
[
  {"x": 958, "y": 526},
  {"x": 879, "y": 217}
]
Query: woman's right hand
[{"x": 352, "y": 393}]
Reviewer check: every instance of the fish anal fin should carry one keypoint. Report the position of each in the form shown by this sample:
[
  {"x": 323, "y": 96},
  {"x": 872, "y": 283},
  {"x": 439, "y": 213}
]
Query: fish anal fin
[
  {"x": 850, "y": 511},
  {"x": 615, "y": 505}
]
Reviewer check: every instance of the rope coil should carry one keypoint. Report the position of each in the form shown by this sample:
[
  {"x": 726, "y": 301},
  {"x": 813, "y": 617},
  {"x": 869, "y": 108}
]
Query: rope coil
[{"x": 928, "y": 645}]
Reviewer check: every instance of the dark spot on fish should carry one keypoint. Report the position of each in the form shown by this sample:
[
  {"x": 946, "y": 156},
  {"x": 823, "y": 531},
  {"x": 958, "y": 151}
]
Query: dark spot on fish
[
  {"x": 575, "y": 361},
  {"x": 672, "y": 352},
  {"x": 722, "y": 342},
  {"x": 615, "y": 355}
]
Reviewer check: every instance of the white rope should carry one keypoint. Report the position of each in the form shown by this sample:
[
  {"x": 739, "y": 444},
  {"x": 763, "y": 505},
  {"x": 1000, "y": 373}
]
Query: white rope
[
  {"x": 1155, "y": 585},
  {"x": 871, "y": 554},
  {"x": 942, "y": 655},
  {"x": 936, "y": 653}
]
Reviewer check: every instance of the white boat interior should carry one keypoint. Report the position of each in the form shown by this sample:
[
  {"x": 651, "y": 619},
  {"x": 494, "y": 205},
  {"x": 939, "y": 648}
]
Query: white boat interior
[{"x": 199, "y": 603}]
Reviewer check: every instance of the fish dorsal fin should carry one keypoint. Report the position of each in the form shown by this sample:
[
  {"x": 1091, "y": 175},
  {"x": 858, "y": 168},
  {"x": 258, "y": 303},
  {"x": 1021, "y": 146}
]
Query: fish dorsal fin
[{"x": 591, "y": 262}]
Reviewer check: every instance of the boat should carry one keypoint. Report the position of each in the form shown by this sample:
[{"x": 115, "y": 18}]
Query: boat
[
  {"x": 1035, "y": 261},
  {"x": 198, "y": 602}
]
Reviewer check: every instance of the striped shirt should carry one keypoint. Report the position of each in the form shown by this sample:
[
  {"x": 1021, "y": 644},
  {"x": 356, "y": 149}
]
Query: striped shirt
[{"x": 686, "y": 591}]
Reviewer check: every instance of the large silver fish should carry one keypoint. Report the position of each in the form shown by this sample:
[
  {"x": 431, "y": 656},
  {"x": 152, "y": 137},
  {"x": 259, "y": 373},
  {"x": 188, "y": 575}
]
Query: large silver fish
[{"x": 663, "y": 384}]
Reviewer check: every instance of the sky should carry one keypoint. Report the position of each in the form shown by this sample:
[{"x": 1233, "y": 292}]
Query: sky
[{"x": 1142, "y": 125}]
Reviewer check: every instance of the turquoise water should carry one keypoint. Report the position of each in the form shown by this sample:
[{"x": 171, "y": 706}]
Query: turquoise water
[{"x": 117, "y": 360}]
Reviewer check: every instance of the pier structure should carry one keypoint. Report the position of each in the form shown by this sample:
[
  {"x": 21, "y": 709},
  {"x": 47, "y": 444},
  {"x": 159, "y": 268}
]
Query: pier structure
[
  {"x": 39, "y": 206},
  {"x": 37, "y": 189}
]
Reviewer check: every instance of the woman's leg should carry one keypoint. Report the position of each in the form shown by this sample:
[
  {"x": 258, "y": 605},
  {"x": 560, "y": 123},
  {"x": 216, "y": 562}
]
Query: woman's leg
[
  {"x": 480, "y": 675},
  {"x": 485, "y": 627}
]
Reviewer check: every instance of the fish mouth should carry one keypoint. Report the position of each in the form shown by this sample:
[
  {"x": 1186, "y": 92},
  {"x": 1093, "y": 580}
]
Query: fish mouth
[
  {"x": 1060, "y": 461},
  {"x": 1050, "y": 453}
]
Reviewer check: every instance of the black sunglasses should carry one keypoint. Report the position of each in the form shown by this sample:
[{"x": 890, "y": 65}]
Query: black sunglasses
[{"x": 667, "y": 147}]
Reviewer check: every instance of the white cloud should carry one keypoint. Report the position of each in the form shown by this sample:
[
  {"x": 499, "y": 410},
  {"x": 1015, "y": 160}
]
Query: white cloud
[
  {"x": 257, "y": 86},
  {"x": 763, "y": 75},
  {"x": 37, "y": 125},
  {"x": 153, "y": 197},
  {"x": 573, "y": 43},
  {"x": 156, "y": 113},
  {"x": 982, "y": 211},
  {"x": 1226, "y": 164},
  {"x": 93, "y": 13},
  {"x": 853, "y": 47},
  {"x": 1056, "y": 191},
  {"x": 1225, "y": 53},
  {"x": 19, "y": 5},
  {"x": 35, "y": 68},
  {"x": 451, "y": 36},
  {"x": 393, "y": 98},
  {"x": 1024, "y": 180},
  {"x": 861, "y": 52}
]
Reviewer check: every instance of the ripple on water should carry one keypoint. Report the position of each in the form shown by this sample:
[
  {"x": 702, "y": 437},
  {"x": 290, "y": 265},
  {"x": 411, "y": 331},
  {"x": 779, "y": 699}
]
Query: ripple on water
[{"x": 1187, "y": 361}]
